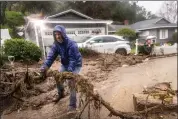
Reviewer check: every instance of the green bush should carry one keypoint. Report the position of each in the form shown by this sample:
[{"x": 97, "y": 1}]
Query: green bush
[
  {"x": 171, "y": 42},
  {"x": 157, "y": 44},
  {"x": 86, "y": 52},
  {"x": 14, "y": 18},
  {"x": 22, "y": 49},
  {"x": 127, "y": 33}
]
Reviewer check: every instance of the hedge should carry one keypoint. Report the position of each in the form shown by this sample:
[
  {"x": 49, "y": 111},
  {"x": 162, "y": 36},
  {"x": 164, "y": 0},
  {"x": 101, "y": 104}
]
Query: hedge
[{"x": 22, "y": 49}]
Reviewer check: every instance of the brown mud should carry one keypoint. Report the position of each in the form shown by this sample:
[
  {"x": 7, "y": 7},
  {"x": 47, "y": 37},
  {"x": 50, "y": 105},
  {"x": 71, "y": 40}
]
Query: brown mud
[{"x": 39, "y": 96}]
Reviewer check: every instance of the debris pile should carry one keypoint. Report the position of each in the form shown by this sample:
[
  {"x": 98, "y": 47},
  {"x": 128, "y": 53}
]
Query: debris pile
[
  {"x": 25, "y": 89},
  {"x": 157, "y": 95},
  {"x": 109, "y": 60},
  {"x": 18, "y": 86}
]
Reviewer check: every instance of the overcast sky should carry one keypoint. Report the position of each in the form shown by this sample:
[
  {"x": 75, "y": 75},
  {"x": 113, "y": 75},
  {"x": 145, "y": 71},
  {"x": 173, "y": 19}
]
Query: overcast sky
[{"x": 152, "y": 6}]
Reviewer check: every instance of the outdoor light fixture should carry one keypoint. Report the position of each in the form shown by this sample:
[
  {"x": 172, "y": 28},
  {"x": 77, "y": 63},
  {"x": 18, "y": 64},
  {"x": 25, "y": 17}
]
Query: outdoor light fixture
[{"x": 39, "y": 23}]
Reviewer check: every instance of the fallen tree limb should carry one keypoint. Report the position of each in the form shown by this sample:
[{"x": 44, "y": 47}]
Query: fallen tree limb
[
  {"x": 86, "y": 87},
  {"x": 2, "y": 82},
  {"x": 15, "y": 88},
  {"x": 127, "y": 115},
  {"x": 140, "y": 102},
  {"x": 80, "y": 113},
  {"x": 83, "y": 85}
]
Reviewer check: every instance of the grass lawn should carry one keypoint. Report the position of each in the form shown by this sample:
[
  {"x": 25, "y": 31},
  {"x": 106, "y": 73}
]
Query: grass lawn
[{"x": 133, "y": 50}]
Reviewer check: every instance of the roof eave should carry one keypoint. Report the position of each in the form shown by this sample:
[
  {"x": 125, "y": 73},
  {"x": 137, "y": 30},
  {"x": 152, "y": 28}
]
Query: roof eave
[
  {"x": 161, "y": 19},
  {"x": 76, "y": 22},
  {"x": 157, "y": 27},
  {"x": 67, "y": 11}
]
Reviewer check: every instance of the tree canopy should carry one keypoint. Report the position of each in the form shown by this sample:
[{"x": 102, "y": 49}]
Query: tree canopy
[
  {"x": 127, "y": 33},
  {"x": 112, "y": 10},
  {"x": 13, "y": 12}
]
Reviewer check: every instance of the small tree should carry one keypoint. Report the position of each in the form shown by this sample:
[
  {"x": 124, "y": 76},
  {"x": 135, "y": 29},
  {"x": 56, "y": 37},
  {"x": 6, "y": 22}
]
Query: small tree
[
  {"x": 127, "y": 33},
  {"x": 13, "y": 19}
]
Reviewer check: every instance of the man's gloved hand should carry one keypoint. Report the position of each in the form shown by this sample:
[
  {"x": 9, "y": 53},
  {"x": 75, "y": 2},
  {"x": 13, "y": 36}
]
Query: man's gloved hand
[{"x": 43, "y": 71}]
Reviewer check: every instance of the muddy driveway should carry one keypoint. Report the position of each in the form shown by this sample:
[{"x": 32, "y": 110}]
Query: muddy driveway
[
  {"x": 115, "y": 86},
  {"x": 125, "y": 81}
]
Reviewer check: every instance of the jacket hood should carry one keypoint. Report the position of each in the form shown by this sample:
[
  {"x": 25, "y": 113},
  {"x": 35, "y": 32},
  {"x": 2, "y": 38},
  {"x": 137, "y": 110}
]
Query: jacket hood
[{"x": 62, "y": 30}]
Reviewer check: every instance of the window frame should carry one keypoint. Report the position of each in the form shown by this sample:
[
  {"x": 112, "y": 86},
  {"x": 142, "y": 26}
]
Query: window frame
[
  {"x": 96, "y": 39},
  {"x": 165, "y": 32}
]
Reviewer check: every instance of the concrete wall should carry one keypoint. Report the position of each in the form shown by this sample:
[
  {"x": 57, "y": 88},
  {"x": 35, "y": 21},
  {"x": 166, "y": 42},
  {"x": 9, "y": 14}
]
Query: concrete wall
[{"x": 160, "y": 50}]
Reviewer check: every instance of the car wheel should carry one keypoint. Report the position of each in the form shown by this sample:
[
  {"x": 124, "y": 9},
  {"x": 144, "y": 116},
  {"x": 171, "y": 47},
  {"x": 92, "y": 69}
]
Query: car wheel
[{"x": 121, "y": 51}]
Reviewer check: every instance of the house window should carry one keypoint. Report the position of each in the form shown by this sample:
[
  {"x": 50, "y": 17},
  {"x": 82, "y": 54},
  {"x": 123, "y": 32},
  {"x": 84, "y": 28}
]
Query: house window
[
  {"x": 83, "y": 32},
  {"x": 70, "y": 32},
  {"x": 96, "y": 31},
  {"x": 163, "y": 33},
  {"x": 48, "y": 33},
  {"x": 144, "y": 33}
]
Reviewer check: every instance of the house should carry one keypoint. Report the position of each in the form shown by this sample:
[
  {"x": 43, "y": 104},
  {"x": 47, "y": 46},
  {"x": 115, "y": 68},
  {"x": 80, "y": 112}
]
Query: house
[
  {"x": 115, "y": 26},
  {"x": 159, "y": 27},
  {"x": 112, "y": 28},
  {"x": 77, "y": 25}
]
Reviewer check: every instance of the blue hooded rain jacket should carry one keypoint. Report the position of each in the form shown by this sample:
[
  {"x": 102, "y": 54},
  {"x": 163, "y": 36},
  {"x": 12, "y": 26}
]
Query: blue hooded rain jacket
[{"x": 68, "y": 51}]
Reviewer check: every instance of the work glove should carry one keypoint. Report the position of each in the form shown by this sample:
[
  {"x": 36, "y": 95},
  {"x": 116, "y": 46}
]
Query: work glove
[{"x": 43, "y": 71}]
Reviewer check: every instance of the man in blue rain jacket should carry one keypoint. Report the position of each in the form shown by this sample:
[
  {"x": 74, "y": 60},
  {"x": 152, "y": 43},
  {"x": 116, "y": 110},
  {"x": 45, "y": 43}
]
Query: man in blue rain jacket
[{"x": 71, "y": 60}]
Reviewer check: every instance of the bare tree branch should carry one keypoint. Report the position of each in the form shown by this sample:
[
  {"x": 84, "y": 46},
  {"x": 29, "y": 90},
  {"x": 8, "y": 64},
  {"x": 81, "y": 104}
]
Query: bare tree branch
[{"x": 168, "y": 10}]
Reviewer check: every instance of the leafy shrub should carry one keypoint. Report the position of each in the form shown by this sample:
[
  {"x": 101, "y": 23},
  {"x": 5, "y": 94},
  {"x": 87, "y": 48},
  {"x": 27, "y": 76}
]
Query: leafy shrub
[
  {"x": 127, "y": 33},
  {"x": 86, "y": 52},
  {"x": 157, "y": 44},
  {"x": 171, "y": 42},
  {"x": 22, "y": 49},
  {"x": 14, "y": 18}
]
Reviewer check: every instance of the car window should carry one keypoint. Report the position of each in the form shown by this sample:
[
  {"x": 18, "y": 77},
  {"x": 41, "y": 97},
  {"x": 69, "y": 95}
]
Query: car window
[
  {"x": 82, "y": 39},
  {"x": 109, "y": 39},
  {"x": 98, "y": 40}
]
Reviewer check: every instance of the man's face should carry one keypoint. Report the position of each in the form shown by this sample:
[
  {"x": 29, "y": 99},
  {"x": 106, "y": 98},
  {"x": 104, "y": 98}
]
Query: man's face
[{"x": 58, "y": 37}]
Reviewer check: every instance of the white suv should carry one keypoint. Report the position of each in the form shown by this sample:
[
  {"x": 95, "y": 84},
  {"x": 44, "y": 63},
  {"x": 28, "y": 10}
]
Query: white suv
[{"x": 105, "y": 44}]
